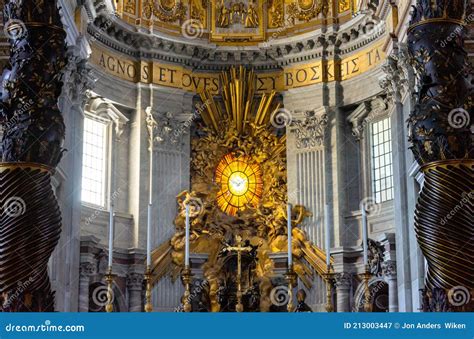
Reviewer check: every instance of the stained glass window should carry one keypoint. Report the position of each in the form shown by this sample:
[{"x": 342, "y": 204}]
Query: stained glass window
[{"x": 240, "y": 183}]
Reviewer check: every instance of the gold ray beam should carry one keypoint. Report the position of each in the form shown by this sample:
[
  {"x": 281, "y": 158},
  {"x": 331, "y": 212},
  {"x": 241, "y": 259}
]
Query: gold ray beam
[
  {"x": 266, "y": 110},
  {"x": 208, "y": 114}
]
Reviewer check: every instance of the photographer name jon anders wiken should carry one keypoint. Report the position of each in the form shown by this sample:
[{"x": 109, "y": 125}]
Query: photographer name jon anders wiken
[{"x": 434, "y": 326}]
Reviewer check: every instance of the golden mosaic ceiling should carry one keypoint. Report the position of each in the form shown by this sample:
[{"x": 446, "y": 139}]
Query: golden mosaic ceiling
[{"x": 235, "y": 21}]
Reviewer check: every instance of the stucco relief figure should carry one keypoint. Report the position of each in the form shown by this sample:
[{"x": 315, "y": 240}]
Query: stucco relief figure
[
  {"x": 237, "y": 12},
  {"x": 223, "y": 18},
  {"x": 276, "y": 14},
  {"x": 251, "y": 20}
]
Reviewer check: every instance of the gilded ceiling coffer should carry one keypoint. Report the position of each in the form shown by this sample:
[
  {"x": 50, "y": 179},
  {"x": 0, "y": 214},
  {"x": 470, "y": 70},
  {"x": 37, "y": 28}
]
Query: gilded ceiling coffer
[
  {"x": 30, "y": 149},
  {"x": 440, "y": 134}
]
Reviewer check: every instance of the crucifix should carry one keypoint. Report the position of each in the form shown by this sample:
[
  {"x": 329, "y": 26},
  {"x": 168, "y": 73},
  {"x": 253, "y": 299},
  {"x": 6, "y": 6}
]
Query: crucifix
[{"x": 239, "y": 249}]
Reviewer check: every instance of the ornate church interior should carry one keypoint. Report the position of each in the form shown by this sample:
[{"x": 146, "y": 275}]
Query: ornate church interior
[{"x": 237, "y": 156}]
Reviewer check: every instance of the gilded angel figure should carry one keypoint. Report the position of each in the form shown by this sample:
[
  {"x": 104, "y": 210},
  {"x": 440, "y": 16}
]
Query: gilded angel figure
[{"x": 251, "y": 20}]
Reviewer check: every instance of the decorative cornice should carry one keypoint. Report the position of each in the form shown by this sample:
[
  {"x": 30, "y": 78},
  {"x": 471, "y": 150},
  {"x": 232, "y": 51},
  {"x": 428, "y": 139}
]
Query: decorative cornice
[
  {"x": 201, "y": 55},
  {"x": 365, "y": 113},
  {"x": 104, "y": 108}
]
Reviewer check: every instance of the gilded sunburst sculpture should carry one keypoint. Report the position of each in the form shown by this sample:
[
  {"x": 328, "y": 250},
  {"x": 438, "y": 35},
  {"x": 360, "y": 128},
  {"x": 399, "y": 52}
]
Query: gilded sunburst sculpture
[{"x": 238, "y": 189}]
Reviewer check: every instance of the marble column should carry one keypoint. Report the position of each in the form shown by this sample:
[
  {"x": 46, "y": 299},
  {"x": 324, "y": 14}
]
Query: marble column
[
  {"x": 135, "y": 288},
  {"x": 343, "y": 288},
  {"x": 86, "y": 271},
  {"x": 390, "y": 273}
]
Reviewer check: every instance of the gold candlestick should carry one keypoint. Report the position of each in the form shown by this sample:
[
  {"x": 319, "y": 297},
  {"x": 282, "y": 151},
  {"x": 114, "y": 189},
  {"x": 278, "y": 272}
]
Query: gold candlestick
[
  {"x": 109, "y": 278},
  {"x": 148, "y": 304},
  {"x": 329, "y": 278},
  {"x": 290, "y": 277},
  {"x": 186, "y": 278},
  {"x": 367, "y": 303}
]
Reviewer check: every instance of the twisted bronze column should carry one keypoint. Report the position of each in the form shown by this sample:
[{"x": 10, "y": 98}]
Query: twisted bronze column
[
  {"x": 30, "y": 148},
  {"x": 440, "y": 128}
]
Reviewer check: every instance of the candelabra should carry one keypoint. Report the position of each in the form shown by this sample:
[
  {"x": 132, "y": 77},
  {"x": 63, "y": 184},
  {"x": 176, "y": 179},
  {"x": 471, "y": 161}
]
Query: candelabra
[
  {"x": 329, "y": 278},
  {"x": 290, "y": 277},
  {"x": 148, "y": 304},
  {"x": 109, "y": 278},
  {"x": 367, "y": 298},
  {"x": 186, "y": 278}
]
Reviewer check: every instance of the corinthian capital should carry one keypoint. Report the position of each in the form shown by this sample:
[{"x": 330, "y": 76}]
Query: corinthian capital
[
  {"x": 389, "y": 269},
  {"x": 343, "y": 280}
]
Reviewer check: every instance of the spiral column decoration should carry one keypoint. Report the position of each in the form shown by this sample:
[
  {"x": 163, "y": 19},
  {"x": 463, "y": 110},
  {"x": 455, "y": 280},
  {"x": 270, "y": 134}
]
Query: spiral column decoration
[
  {"x": 440, "y": 133},
  {"x": 32, "y": 133}
]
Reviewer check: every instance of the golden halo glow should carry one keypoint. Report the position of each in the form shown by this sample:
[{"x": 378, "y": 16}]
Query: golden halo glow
[{"x": 240, "y": 183}]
